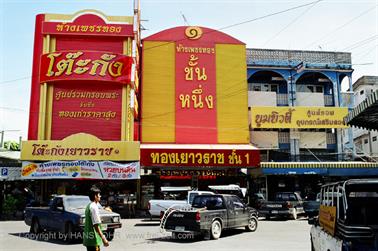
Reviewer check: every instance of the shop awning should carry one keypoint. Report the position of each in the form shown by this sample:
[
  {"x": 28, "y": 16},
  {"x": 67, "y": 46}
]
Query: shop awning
[
  {"x": 321, "y": 168},
  {"x": 365, "y": 115},
  {"x": 199, "y": 155}
]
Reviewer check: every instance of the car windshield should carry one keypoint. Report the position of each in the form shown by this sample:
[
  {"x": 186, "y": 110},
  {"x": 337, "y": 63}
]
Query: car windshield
[
  {"x": 363, "y": 205},
  {"x": 77, "y": 202},
  {"x": 286, "y": 197}
]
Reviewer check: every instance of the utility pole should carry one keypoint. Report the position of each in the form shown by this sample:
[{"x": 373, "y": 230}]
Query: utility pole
[{"x": 2, "y": 139}]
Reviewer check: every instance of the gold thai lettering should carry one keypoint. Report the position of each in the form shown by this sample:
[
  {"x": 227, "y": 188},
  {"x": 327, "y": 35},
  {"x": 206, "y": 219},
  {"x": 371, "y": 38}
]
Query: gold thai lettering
[
  {"x": 81, "y": 69},
  {"x": 201, "y": 50},
  {"x": 185, "y": 100},
  {"x": 104, "y": 63},
  {"x": 274, "y": 117},
  {"x": 189, "y": 71},
  {"x": 234, "y": 158},
  {"x": 209, "y": 101},
  {"x": 201, "y": 73},
  {"x": 87, "y": 114},
  {"x": 72, "y": 64},
  {"x": 118, "y": 66},
  {"x": 58, "y": 150},
  {"x": 65, "y": 66},
  {"x": 59, "y": 27},
  {"x": 197, "y": 97}
]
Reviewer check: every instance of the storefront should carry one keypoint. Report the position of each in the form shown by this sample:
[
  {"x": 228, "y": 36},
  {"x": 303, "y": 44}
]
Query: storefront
[
  {"x": 83, "y": 105},
  {"x": 194, "y": 121}
]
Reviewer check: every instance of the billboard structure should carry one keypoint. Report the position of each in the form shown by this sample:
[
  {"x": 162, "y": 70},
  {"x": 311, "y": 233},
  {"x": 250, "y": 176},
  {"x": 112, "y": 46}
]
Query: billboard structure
[
  {"x": 194, "y": 104},
  {"x": 84, "y": 87}
]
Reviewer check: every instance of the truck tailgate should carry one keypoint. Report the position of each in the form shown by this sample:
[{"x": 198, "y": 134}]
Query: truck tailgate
[{"x": 182, "y": 221}]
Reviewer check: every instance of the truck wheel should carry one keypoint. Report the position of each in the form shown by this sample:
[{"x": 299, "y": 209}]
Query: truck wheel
[
  {"x": 110, "y": 234},
  {"x": 294, "y": 214},
  {"x": 252, "y": 224},
  {"x": 216, "y": 230},
  {"x": 35, "y": 228},
  {"x": 69, "y": 232}
]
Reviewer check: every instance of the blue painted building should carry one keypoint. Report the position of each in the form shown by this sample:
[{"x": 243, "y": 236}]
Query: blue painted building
[{"x": 292, "y": 158}]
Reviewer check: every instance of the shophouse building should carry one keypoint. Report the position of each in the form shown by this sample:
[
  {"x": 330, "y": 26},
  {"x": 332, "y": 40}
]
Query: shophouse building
[
  {"x": 194, "y": 123},
  {"x": 83, "y": 106},
  {"x": 297, "y": 119},
  {"x": 365, "y": 141}
]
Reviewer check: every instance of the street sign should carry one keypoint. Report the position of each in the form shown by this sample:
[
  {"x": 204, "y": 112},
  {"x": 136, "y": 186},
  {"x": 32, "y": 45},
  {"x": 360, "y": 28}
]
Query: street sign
[
  {"x": 4, "y": 171},
  {"x": 299, "y": 67}
]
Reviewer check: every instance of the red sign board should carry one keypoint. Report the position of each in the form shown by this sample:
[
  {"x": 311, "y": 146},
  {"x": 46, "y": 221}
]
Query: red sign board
[
  {"x": 196, "y": 93},
  {"x": 88, "y": 25},
  {"x": 199, "y": 157},
  {"x": 86, "y": 107},
  {"x": 85, "y": 65}
]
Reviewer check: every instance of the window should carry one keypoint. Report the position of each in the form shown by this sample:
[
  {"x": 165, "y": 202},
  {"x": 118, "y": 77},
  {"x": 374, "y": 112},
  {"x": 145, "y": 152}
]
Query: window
[
  {"x": 310, "y": 88},
  {"x": 257, "y": 87},
  {"x": 362, "y": 92},
  {"x": 366, "y": 141},
  {"x": 237, "y": 202},
  {"x": 375, "y": 138}
]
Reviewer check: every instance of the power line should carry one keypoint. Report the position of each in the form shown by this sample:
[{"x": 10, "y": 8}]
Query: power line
[
  {"x": 293, "y": 21},
  {"x": 342, "y": 26}
]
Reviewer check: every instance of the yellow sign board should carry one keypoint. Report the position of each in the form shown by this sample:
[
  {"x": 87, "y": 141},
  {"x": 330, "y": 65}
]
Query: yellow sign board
[
  {"x": 80, "y": 146},
  {"x": 298, "y": 117},
  {"x": 327, "y": 218}
]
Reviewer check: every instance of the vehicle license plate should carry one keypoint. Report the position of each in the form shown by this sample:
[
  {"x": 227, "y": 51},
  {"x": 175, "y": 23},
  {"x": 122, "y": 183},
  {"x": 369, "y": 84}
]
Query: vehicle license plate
[
  {"x": 274, "y": 212},
  {"x": 177, "y": 228},
  {"x": 104, "y": 227}
]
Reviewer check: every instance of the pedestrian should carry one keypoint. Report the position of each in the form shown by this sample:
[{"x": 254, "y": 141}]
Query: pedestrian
[{"x": 93, "y": 237}]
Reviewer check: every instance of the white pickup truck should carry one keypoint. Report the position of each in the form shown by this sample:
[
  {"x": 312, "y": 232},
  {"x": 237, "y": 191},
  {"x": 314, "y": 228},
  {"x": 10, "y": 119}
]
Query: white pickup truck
[{"x": 179, "y": 196}]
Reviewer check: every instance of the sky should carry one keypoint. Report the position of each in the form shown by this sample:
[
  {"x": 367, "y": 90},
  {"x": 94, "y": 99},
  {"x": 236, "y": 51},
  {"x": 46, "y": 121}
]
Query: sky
[{"x": 325, "y": 25}]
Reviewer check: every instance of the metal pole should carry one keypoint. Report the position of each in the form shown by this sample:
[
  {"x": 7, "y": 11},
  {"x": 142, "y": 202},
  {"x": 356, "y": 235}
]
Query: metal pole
[{"x": 2, "y": 139}]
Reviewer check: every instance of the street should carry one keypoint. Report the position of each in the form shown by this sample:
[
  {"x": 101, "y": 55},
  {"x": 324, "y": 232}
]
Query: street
[{"x": 139, "y": 234}]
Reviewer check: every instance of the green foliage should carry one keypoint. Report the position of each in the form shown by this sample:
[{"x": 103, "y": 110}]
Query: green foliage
[
  {"x": 12, "y": 145},
  {"x": 10, "y": 204}
]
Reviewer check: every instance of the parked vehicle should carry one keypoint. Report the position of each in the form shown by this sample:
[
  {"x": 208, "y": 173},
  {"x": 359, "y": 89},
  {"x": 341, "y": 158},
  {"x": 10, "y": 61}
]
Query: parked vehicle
[
  {"x": 311, "y": 207},
  {"x": 230, "y": 189},
  {"x": 348, "y": 219},
  {"x": 286, "y": 204},
  {"x": 66, "y": 214},
  {"x": 209, "y": 216},
  {"x": 179, "y": 196}
]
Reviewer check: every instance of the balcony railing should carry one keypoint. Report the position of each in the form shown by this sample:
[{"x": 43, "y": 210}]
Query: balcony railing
[
  {"x": 331, "y": 138},
  {"x": 282, "y": 99},
  {"x": 283, "y": 137},
  {"x": 328, "y": 100}
]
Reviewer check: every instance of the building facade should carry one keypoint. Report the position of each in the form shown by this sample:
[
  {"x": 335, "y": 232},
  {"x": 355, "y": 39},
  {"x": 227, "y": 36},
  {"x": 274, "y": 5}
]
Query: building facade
[
  {"x": 365, "y": 141},
  {"x": 297, "y": 115}
]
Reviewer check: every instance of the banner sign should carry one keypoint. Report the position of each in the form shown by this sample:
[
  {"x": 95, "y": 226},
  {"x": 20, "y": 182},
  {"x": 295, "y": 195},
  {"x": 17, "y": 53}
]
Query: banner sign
[
  {"x": 298, "y": 117},
  {"x": 80, "y": 146},
  {"x": 88, "y": 25},
  {"x": 85, "y": 65},
  {"x": 199, "y": 157},
  {"x": 86, "y": 108},
  {"x": 188, "y": 174},
  {"x": 81, "y": 169},
  {"x": 327, "y": 218},
  {"x": 195, "y": 89}
]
